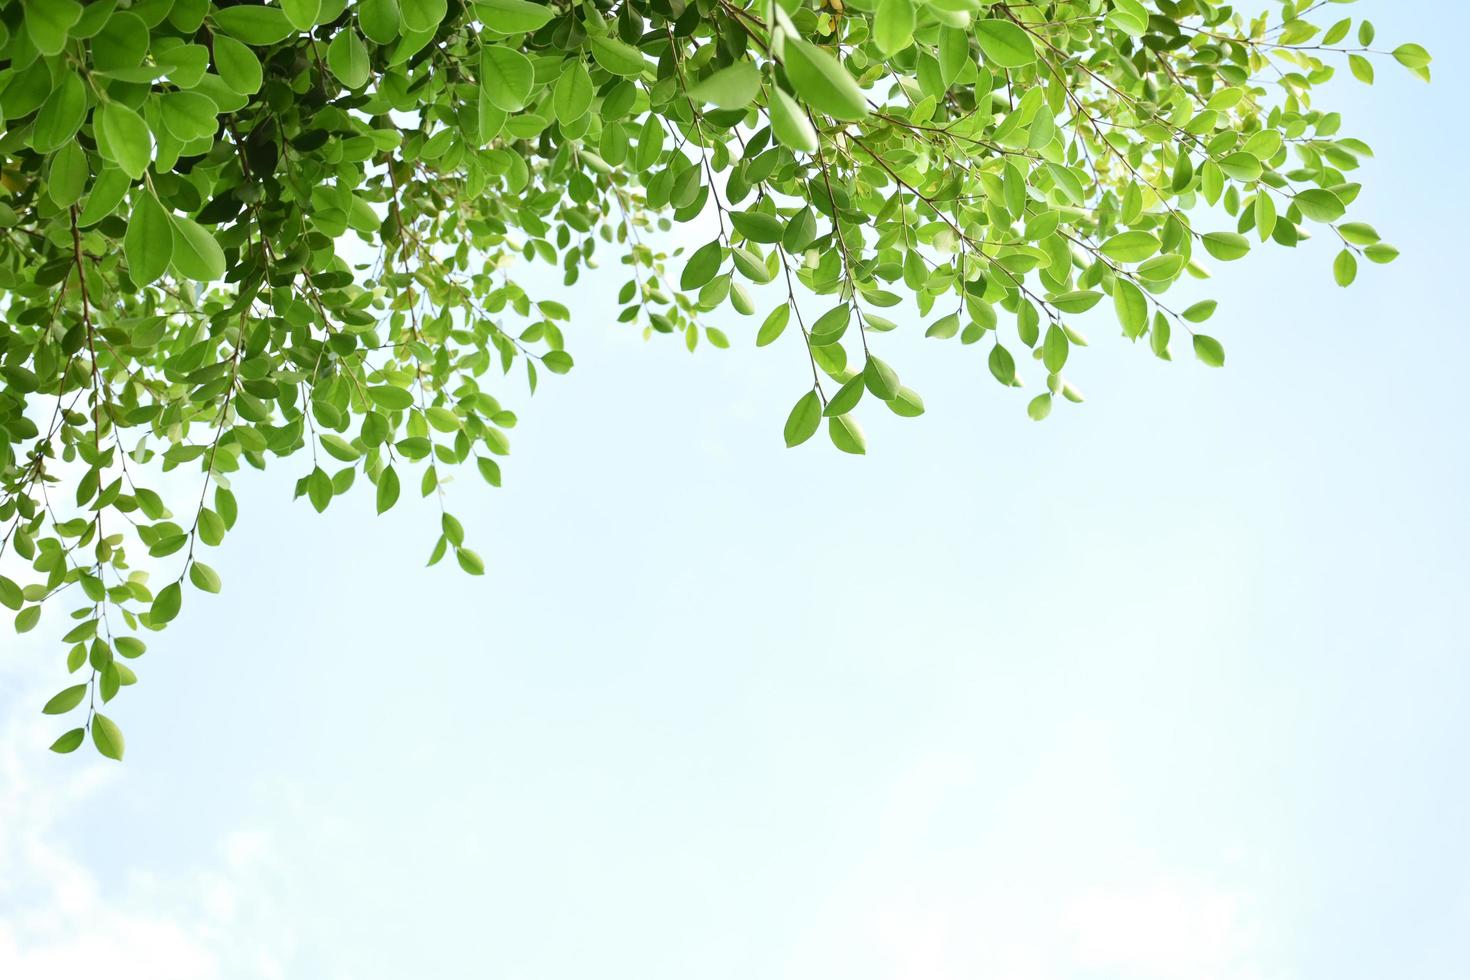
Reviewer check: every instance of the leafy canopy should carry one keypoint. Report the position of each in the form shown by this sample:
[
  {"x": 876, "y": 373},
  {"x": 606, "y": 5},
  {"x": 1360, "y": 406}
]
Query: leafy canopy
[{"x": 238, "y": 231}]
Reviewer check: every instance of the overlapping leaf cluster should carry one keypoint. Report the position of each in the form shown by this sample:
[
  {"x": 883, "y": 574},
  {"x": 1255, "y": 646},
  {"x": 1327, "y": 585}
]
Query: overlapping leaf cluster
[{"x": 235, "y": 231}]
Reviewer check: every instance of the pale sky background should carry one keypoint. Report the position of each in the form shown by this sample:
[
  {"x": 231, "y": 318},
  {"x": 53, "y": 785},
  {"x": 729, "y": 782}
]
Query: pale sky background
[{"x": 1173, "y": 685}]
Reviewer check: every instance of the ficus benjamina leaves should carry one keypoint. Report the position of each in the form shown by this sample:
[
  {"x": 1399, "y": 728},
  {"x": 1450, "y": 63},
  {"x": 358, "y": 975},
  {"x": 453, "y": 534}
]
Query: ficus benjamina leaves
[{"x": 297, "y": 234}]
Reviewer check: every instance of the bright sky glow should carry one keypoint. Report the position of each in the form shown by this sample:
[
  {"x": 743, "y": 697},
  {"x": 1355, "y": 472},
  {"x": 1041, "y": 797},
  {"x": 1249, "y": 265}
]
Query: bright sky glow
[{"x": 1173, "y": 686}]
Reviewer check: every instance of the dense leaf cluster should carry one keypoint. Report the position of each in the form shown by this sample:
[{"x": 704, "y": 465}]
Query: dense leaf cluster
[{"x": 235, "y": 231}]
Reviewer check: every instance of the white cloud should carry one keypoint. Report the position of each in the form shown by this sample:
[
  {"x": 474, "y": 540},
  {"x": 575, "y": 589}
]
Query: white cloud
[
  {"x": 1162, "y": 929},
  {"x": 61, "y": 921},
  {"x": 1050, "y": 885}
]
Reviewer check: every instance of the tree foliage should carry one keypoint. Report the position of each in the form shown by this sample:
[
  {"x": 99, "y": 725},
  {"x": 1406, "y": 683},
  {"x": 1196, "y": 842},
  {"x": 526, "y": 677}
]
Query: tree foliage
[{"x": 236, "y": 231}]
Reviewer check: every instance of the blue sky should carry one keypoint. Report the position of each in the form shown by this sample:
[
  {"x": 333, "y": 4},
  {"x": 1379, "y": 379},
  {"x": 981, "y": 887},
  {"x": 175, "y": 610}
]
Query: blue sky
[{"x": 1173, "y": 685}]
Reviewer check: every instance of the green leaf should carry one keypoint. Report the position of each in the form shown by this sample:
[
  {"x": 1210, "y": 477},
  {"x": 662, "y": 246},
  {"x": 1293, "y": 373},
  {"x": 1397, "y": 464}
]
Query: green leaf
[
  {"x": 616, "y": 56},
  {"x": 166, "y": 604},
  {"x": 1381, "y": 253},
  {"x": 750, "y": 265},
  {"x": 893, "y": 25},
  {"x": 340, "y": 449},
  {"x": 237, "y": 65},
  {"x": 572, "y": 97},
  {"x": 388, "y": 488},
  {"x": 1003, "y": 366},
  {"x": 1227, "y": 246},
  {"x": 390, "y": 397},
  {"x": 773, "y": 326},
  {"x": 61, "y": 115},
  {"x": 1004, "y": 44},
  {"x": 225, "y": 504},
  {"x": 69, "y": 742},
  {"x": 1039, "y": 407},
  {"x": 469, "y": 561},
  {"x": 1240, "y": 166},
  {"x": 702, "y": 265},
  {"x": 830, "y": 326},
  {"x": 507, "y": 76},
  {"x": 1319, "y": 205},
  {"x": 1129, "y": 17},
  {"x": 254, "y": 25},
  {"x": 204, "y": 578},
  {"x": 907, "y": 404},
  {"x": 1345, "y": 268},
  {"x": 1131, "y": 305},
  {"x": 1201, "y": 311},
  {"x": 319, "y": 489},
  {"x": 1361, "y": 68},
  {"x": 954, "y": 52},
  {"x": 1412, "y": 56},
  {"x": 347, "y": 56},
  {"x": 27, "y": 618},
  {"x": 880, "y": 379},
  {"x": 196, "y": 254},
  {"x": 845, "y": 434},
  {"x": 124, "y": 138},
  {"x": 802, "y": 423},
  {"x": 381, "y": 22},
  {"x": 847, "y": 397},
  {"x": 757, "y": 226},
  {"x": 149, "y": 241},
  {"x": 1209, "y": 350},
  {"x": 109, "y": 681},
  {"x": 48, "y": 23},
  {"x": 1054, "y": 348},
  {"x": 107, "y": 737},
  {"x": 422, "y": 16},
  {"x": 121, "y": 44},
  {"x": 1130, "y": 246},
  {"x": 302, "y": 13},
  {"x": 1358, "y": 233},
  {"x": 1158, "y": 337},
  {"x": 732, "y": 87},
  {"x": 944, "y": 328},
  {"x": 515, "y": 16},
  {"x": 1077, "y": 301},
  {"x": 66, "y": 700},
  {"x": 792, "y": 128},
  {"x": 1264, "y": 211},
  {"x": 800, "y": 231},
  {"x": 188, "y": 115},
  {"x": 66, "y": 178},
  {"x": 822, "y": 82},
  {"x": 557, "y": 361}
]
